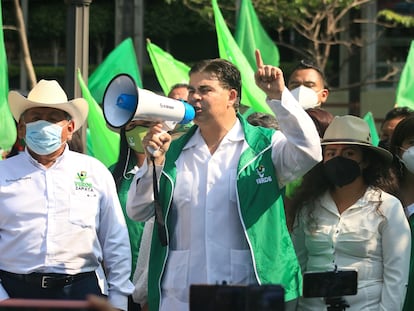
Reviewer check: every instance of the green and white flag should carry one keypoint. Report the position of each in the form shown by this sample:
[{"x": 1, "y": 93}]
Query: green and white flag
[
  {"x": 102, "y": 143},
  {"x": 168, "y": 70},
  {"x": 250, "y": 35},
  {"x": 122, "y": 59},
  {"x": 252, "y": 96},
  {"x": 405, "y": 90},
  {"x": 8, "y": 132}
]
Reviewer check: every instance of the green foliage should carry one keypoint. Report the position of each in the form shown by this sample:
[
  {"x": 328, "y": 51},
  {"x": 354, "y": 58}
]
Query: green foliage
[
  {"x": 165, "y": 21},
  {"x": 395, "y": 18},
  {"x": 101, "y": 20},
  {"x": 47, "y": 20}
]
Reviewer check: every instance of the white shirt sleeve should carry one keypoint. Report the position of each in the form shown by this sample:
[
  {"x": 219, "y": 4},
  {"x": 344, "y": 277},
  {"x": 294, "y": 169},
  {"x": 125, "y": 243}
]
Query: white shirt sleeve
[
  {"x": 140, "y": 199},
  {"x": 114, "y": 239},
  {"x": 296, "y": 147},
  {"x": 396, "y": 243}
]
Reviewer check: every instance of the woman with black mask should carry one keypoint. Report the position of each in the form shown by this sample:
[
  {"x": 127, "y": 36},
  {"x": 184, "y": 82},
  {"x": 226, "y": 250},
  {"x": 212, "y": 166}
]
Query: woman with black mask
[{"x": 345, "y": 221}]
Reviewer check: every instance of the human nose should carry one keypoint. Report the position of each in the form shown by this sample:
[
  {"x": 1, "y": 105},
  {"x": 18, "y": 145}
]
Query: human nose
[{"x": 194, "y": 97}]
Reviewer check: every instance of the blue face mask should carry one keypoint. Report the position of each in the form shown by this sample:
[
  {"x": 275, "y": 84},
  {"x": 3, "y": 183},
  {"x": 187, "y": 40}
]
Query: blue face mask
[{"x": 43, "y": 137}]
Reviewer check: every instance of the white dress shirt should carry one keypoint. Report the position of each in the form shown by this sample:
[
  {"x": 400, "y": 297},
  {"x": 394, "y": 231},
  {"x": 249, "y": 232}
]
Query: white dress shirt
[
  {"x": 63, "y": 219},
  {"x": 374, "y": 241},
  {"x": 208, "y": 243}
]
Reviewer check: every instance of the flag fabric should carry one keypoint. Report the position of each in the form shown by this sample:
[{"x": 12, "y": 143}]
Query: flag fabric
[
  {"x": 8, "y": 131},
  {"x": 369, "y": 118},
  {"x": 252, "y": 96},
  {"x": 102, "y": 143},
  {"x": 168, "y": 70},
  {"x": 405, "y": 89},
  {"x": 122, "y": 59},
  {"x": 250, "y": 35}
]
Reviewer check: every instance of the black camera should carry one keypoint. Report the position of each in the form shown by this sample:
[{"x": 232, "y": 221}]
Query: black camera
[
  {"x": 237, "y": 298},
  {"x": 330, "y": 284}
]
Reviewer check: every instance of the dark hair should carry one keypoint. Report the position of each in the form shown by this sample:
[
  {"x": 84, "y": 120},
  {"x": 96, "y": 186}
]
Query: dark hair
[
  {"x": 123, "y": 158},
  {"x": 321, "y": 118},
  {"x": 310, "y": 64},
  {"x": 263, "y": 119},
  {"x": 227, "y": 74},
  {"x": 179, "y": 86},
  {"x": 397, "y": 112},
  {"x": 403, "y": 130},
  {"x": 314, "y": 183}
]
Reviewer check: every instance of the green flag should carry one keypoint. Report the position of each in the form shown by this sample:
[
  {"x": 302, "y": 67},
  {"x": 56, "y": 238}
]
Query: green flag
[
  {"x": 168, "y": 70},
  {"x": 122, "y": 59},
  {"x": 369, "y": 118},
  {"x": 250, "y": 35},
  {"x": 252, "y": 95},
  {"x": 102, "y": 143},
  {"x": 405, "y": 89},
  {"x": 8, "y": 132}
]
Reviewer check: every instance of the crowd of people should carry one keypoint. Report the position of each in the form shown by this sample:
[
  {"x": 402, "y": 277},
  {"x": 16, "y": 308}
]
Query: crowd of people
[{"x": 225, "y": 200}]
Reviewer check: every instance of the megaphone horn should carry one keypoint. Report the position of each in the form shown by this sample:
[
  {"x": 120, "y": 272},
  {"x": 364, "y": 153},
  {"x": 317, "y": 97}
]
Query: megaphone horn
[{"x": 123, "y": 102}]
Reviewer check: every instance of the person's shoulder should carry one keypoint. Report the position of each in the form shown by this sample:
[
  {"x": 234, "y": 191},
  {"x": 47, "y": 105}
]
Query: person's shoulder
[
  {"x": 390, "y": 205},
  {"x": 14, "y": 160},
  {"x": 85, "y": 158}
]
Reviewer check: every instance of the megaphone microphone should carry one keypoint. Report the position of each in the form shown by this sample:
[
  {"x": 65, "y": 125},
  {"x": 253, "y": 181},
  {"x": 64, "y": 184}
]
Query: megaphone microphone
[{"x": 124, "y": 102}]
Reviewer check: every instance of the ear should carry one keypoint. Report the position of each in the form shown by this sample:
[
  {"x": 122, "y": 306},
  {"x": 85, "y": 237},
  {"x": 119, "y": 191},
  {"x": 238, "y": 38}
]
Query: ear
[
  {"x": 21, "y": 129},
  {"x": 71, "y": 129},
  {"x": 324, "y": 95},
  {"x": 233, "y": 97}
]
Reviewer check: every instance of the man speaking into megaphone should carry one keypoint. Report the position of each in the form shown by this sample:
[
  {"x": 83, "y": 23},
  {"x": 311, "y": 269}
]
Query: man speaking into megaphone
[{"x": 219, "y": 209}]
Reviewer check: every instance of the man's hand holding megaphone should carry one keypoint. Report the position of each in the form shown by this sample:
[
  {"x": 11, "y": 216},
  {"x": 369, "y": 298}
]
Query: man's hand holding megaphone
[{"x": 156, "y": 143}]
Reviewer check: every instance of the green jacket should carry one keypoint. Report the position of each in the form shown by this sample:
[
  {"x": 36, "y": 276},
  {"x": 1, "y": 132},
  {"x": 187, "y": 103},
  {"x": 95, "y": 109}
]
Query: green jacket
[{"x": 262, "y": 213}]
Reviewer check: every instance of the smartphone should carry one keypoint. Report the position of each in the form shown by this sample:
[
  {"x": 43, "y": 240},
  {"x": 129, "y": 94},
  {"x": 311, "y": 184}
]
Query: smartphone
[{"x": 330, "y": 284}]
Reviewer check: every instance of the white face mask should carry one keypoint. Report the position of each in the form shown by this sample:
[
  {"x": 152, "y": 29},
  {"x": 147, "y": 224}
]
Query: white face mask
[
  {"x": 408, "y": 159},
  {"x": 306, "y": 97}
]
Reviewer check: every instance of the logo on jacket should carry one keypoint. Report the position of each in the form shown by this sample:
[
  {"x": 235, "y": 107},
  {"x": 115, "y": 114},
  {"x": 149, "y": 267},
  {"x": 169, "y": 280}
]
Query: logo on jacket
[
  {"x": 81, "y": 184},
  {"x": 262, "y": 178}
]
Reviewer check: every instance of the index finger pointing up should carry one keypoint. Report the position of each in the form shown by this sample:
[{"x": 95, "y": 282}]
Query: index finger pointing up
[{"x": 259, "y": 61}]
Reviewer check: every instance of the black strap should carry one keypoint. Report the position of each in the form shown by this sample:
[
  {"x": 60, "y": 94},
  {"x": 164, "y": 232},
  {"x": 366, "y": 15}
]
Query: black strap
[{"x": 159, "y": 218}]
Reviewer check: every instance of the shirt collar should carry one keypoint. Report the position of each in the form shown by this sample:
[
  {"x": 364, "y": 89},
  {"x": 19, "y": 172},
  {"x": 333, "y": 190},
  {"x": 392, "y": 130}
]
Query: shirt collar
[{"x": 235, "y": 134}]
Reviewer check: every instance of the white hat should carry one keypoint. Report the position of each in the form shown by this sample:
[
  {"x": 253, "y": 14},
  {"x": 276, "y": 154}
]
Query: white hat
[
  {"x": 49, "y": 94},
  {"x": 351, "y": 130}
]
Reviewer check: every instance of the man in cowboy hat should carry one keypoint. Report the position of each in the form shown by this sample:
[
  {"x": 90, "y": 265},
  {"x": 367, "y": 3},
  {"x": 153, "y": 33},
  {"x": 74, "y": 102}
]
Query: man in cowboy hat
[{"x": 60, "y": 217}]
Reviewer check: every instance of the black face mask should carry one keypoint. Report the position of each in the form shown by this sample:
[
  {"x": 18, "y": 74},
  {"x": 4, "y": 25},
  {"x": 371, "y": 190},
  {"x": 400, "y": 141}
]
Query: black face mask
[
  {"x": 341, "y": 171},
  {"x": 384, "y": 144}
]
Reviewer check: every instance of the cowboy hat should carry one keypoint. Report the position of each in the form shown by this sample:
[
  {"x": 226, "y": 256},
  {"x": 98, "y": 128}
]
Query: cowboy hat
[
  {"x": 49, "y": 94},
  {"x": 351, "y": 130}
]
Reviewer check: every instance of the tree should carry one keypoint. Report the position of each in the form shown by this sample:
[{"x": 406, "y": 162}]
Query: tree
[
  {"x": 25, "y": 46},
  {"x": 48, "y": 30},
  {"x": 101, "y": 26},
  {"x": 320, "y": 24}
]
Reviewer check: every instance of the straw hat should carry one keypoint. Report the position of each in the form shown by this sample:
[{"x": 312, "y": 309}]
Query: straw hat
[
  {"x": 48, "y": 93},
  {"x": 351, "y": 130}
]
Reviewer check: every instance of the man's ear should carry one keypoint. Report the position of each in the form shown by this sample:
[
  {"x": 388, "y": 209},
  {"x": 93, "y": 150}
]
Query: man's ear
[
  {"x": 71, "y": 129},
  {"x": 21, "y": 129},
  {"x": 233, "y": 96},
  {"x": 324, "y": 95}
]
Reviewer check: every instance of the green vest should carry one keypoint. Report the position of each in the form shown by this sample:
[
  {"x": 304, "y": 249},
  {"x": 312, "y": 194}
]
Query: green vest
[{"x": 262, "y": 213}]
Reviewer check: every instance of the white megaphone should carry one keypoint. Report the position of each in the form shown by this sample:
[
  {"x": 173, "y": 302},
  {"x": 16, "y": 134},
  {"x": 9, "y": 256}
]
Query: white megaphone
[{"x": 123, "y": 102}]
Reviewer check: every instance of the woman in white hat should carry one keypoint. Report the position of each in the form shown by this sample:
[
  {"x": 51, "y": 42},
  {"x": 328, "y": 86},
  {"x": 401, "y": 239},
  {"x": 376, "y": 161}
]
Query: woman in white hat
[{"x": 344, "y": 221}]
